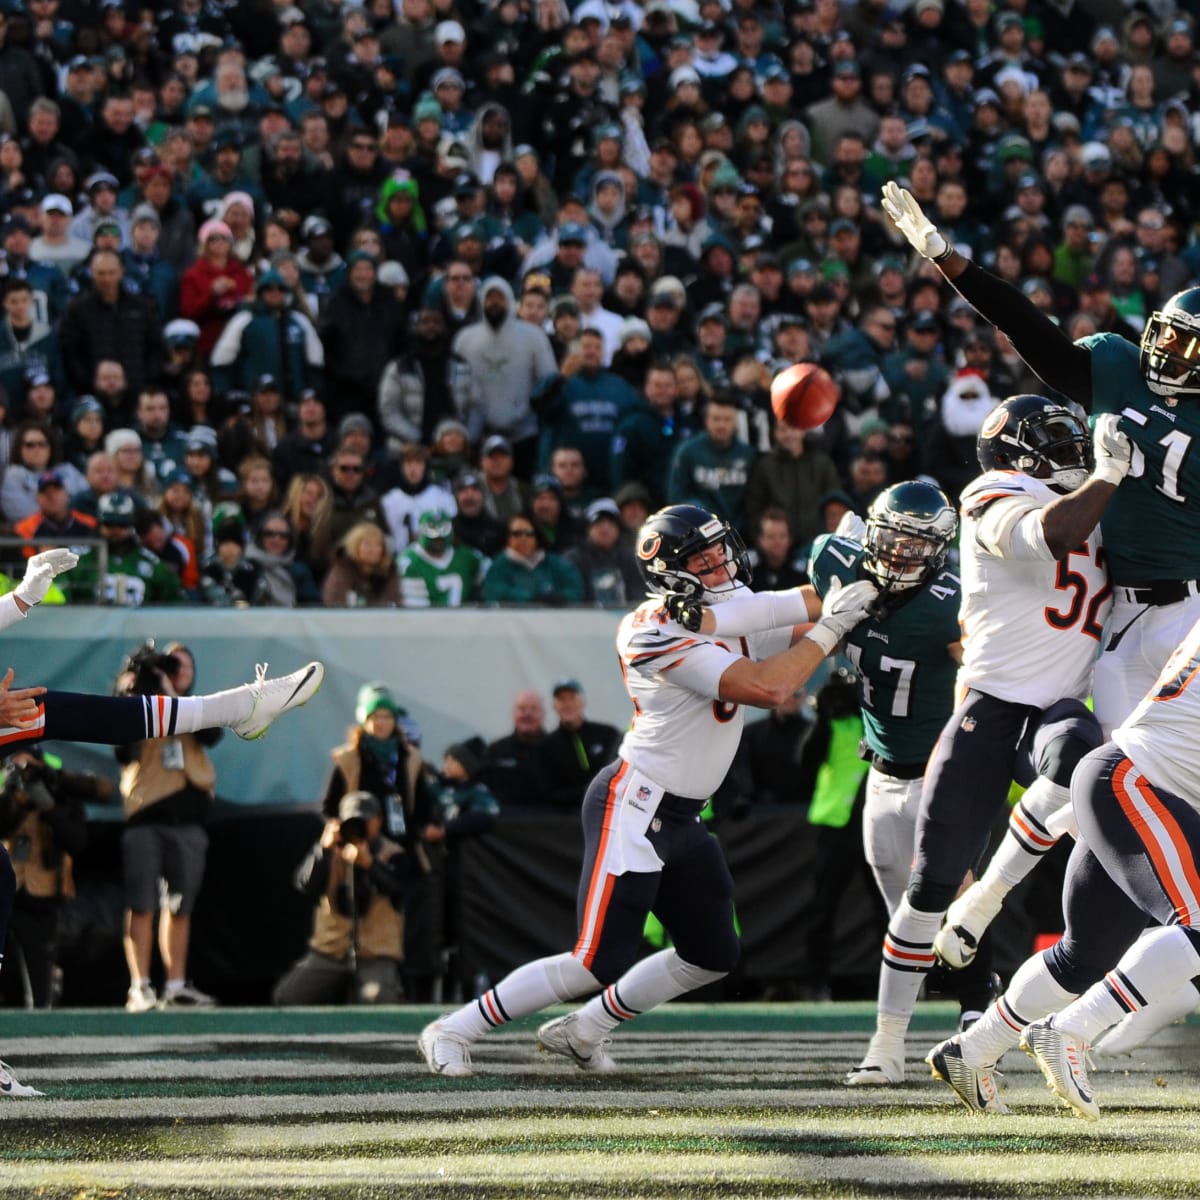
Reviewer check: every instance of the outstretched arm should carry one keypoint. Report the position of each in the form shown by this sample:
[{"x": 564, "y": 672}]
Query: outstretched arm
[{"x": 1051, "y": 355}]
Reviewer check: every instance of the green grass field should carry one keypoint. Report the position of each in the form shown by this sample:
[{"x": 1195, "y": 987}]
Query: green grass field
[{"x": 739, "y": 1100}]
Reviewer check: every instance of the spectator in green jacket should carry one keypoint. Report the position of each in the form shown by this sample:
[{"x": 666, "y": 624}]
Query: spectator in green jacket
[
  {"x": 648, "y": 435},
  {"x": 792, "y": 476},
  {"x": 523, "y": 573},
  {"x": 712, "y": 468}
]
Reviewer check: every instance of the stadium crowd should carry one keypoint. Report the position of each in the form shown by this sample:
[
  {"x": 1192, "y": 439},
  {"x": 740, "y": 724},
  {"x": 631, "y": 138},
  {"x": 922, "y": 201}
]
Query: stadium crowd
[{"x": 345, "y": 304}]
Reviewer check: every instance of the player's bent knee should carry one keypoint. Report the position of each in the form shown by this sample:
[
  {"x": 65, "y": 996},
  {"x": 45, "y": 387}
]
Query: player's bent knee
[
  {"x": 926, "y": 895},
  {"x": 697, "y": 975},
  {"x": 1076, "y": 734},
  {"x": 1075, "y": 966}
]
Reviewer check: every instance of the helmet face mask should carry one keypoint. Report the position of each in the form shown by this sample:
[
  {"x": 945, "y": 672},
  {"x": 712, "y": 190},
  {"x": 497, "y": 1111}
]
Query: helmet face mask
[
  {"x": 1170, "y": 346},
  {"x": 1039, "y": 438},
  {"x": 434, "y": 526},
  {"x": 668, "y": 542},
  {"x": 910, "y": 529}
]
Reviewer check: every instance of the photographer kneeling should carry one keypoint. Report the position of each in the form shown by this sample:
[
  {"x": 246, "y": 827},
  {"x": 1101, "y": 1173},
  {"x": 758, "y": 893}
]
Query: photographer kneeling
[
  {"x": 167, "y": 787},
  {"x": 43, "y": 826},
  {"x": 358, "y": 876}
]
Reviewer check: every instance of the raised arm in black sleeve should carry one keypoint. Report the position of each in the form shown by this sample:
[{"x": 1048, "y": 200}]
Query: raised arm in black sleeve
[{"x": 1051, "y": 355}]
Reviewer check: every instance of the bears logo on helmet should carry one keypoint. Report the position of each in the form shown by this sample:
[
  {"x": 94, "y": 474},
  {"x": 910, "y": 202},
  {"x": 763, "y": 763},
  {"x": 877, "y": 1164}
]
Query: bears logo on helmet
[
  {"x": 670, "y": 537},
  {"x": 1037, "y": 437}
]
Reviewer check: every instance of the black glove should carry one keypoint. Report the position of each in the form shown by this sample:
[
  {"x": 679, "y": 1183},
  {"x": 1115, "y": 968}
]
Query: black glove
[{"x": 688, "y": 611}]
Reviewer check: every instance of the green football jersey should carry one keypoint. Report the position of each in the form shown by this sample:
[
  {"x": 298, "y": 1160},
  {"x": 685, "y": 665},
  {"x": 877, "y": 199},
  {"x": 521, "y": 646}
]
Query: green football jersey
[
  {"x": 1152, "y": 526},
  {"x": 446, "y": 581},
  {"x": 906, "y": 677}
]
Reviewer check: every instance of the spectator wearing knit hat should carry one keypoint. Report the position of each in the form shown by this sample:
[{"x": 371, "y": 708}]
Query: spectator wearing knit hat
[{"x": 214, "y": 285}]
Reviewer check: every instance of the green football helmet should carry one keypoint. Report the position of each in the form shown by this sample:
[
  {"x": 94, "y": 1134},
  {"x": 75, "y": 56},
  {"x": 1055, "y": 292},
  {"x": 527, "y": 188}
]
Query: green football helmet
[
  {"x": 910, "y": 528},
  {"x": 1170, "y": 357},
  {"x": 434, "y": 525}
]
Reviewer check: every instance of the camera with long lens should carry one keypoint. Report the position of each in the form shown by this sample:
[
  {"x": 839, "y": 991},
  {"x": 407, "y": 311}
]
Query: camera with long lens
[
  {"x": 23, "y": 791},
  {"x": 353, "y": 829},
  {"x": 142, "y": 671}
]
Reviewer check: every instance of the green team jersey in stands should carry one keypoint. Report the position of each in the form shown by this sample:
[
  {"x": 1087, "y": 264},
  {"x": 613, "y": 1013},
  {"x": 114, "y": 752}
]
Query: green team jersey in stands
[
  {"x": 440, "y": 581},
  {"x": 1152, "y": 526},
  {"x": 906, "y": 677}
]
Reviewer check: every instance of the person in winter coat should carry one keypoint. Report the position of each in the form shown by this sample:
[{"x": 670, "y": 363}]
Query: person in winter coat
[
  {"x": 214, "y": 285},
  {"x": 268, "y": 338},
  {"x": 363, "y": 573},
  {"x": 403, "y": 226},
  {"x": 792, "y": 476},
  {"x": 609, "y": 570},
  {"x": 288, "y": 583},
  {"x": 414, "y": 391},
  {"x": 503, "y": 360},
  {"x": 525, "y": 574},
  {"x": 361, "y": 329},
  {"x": 108, "y": 324},
  {"x": 358, "y": 876},
  {"x": 416, "y": 493}
]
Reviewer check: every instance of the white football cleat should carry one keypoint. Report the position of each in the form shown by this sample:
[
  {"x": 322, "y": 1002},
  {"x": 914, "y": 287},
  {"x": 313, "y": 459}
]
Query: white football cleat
[
  {"x": 445, "y": 1053},
  {"x": 12, "y": 1087},
  {"x": 141, "y": 999},
  {"x": 976, "y": 1087},
  {"x": 273, "y": 697},
  {"x": 1134, "y": 1030},
  {"x": 1064, "y": 1062},
  {"x": 555, "y": 1038}
]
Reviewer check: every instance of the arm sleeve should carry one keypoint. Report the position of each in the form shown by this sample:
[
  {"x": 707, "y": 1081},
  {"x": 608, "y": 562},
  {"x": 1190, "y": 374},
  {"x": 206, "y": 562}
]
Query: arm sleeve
[
  {"x": 695, "y": 665},
  {"x": 1012, "y": 528},
  {"x": 1050, "y": 354},
  {"x": 10, "y": 614},
  {"x": 753, "y": 612}
]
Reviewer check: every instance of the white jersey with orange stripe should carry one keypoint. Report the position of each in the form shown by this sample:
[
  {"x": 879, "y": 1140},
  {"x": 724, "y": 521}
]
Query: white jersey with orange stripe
[
  {"x": 1162, "y": 735},
  {"x": 683, "y": 736},
  {"x": 1031, "y": 624}
]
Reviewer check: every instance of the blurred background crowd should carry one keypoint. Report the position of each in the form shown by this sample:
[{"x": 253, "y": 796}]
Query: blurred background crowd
[{"x": 430, "y": 302}]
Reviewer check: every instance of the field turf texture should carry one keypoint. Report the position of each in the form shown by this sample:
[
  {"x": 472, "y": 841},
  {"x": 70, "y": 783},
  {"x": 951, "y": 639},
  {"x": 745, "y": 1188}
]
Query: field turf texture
[{"x": 720, "y": 1101}]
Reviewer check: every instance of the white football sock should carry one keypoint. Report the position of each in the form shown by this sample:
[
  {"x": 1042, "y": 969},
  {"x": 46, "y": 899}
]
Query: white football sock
[
  {"x": 1027, "y": 840},
  {"x": 1033, "y": 993},
  {"x": 1152, "y": 970},
  {"x": 526, "y": 990},
  {"x": 907, "y": 959},
  {"x": 646, "y": 984}
]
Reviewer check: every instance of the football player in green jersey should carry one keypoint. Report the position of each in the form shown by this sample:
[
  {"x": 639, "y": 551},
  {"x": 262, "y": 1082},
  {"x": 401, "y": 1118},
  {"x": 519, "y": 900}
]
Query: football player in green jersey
[
  {"x": 434, "y": 572},
  {"x": 1151, "y": 528}
]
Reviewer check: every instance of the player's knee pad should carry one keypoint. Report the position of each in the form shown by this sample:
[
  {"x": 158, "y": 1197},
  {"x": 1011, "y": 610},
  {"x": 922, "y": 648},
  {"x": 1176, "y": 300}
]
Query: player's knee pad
[
  {"x": 1075, "y": 732},
  {"x": 570, "y": 978},
  {"x": 926, "y": 895},
  {"x": 1075, "y": 966},
  {"x": 693, "y": 975}
]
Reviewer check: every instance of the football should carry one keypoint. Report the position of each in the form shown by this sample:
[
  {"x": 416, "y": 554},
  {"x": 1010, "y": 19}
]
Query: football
[{"x": 804, "y": 396}]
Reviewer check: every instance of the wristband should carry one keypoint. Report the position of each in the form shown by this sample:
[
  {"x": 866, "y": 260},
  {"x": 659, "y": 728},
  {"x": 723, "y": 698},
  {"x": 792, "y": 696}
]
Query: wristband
[{"x": 824, "y": 637}]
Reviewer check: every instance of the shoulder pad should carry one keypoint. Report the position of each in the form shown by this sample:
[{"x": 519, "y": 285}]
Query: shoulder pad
[{"x": 998, "y": 485}]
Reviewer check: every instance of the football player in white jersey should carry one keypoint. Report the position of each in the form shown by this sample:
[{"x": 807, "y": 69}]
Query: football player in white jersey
[
  {"x": 1032, "y": 570},
  {"x": 1137, "y": 802},
  {"x": 645, "y": 848},
  {"x": 30, "y": 714}
]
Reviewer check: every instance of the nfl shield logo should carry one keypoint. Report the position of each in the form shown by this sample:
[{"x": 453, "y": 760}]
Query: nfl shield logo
[
  {"x": 655, "y": 825},
  {"x": 968, "y": 724}
]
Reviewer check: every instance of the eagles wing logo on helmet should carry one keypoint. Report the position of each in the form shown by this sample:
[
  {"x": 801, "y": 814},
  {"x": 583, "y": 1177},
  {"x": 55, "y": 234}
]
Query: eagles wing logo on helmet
[{"x": 910, "y": 528}]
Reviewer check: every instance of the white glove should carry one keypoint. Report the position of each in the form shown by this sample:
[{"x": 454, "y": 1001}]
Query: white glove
[
  {"x": 1113, "y": 450},
  {"x": 852, "y": 526},
  {"x": 41, "y": 571},
  {"x": 907, "y": 216},
  {"x": 842, "y": 609}
]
